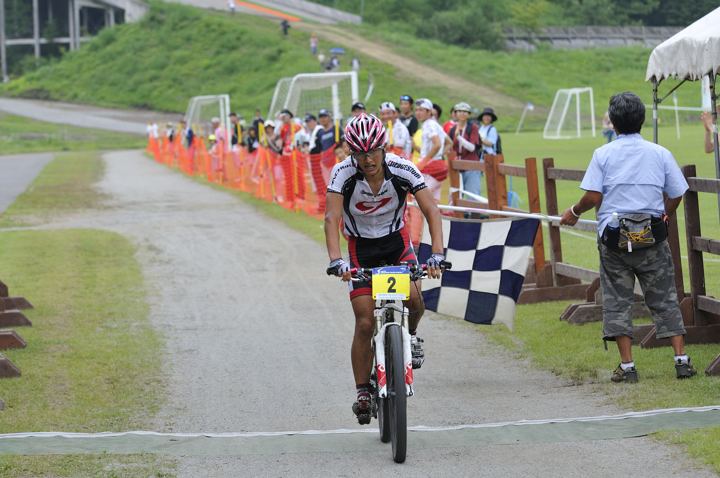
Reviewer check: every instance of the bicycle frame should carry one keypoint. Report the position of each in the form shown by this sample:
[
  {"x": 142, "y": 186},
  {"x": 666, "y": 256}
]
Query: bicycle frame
[{"x": 385, "y": 317}]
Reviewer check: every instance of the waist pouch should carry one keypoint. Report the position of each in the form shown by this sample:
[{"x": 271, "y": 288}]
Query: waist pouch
[{"x": 635, "y": 231}]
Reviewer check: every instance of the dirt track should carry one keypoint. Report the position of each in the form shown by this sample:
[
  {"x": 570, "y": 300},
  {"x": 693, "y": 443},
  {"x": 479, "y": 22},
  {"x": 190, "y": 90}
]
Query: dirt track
[{"x": 258, "y": 340}]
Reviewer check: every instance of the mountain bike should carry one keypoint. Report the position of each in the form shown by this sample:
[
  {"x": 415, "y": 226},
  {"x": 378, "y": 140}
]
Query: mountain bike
[{"x": 392, "y": 378}]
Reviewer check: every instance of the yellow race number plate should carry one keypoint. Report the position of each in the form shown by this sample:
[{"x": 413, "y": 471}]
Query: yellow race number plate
[{"x": 391, "y": 283}]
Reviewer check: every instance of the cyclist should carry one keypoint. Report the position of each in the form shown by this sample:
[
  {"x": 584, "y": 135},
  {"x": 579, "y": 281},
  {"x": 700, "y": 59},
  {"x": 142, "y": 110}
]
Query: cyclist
[{"x": 368, "y": 192}]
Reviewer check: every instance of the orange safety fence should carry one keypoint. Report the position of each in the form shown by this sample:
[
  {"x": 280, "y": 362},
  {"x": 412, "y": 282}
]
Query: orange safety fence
[{"x": 296, "y": 181}]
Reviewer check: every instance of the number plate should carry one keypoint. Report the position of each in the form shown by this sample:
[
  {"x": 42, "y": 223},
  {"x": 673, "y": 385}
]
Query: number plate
[{"x": 391, "y": 283}]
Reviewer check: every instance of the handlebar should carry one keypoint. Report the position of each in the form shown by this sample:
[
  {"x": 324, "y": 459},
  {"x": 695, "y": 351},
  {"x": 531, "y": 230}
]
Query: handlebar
[{"x": 415, "y": 271}]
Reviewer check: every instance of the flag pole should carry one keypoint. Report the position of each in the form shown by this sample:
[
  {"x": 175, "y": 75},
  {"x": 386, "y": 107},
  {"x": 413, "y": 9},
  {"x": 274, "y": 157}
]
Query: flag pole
[{"x": 524, "y": 215}]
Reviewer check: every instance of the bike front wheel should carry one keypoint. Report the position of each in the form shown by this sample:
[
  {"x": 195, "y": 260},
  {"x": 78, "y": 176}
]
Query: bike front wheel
[{"x": 397, "y": 396}]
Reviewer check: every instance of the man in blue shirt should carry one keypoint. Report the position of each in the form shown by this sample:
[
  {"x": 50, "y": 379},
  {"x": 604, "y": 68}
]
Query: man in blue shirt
[{"x": 635, "y": 184}]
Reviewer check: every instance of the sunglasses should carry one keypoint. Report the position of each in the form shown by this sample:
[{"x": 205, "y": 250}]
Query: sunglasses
[
  {"x": 359, "y": 156},
  {"x": 405, "y": 98}
]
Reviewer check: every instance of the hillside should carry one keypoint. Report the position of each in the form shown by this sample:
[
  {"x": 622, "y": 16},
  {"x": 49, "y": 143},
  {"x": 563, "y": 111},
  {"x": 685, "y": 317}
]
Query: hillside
[{"x": 177, "y": 52}]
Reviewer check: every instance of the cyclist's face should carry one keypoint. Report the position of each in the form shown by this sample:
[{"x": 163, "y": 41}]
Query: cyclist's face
[{"x": 370, "y": 163}]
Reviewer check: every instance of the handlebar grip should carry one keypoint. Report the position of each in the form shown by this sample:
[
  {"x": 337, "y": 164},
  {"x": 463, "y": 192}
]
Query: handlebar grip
[
  {"x": 446, "y": 265},
  {"x": 330, "y": 271}
]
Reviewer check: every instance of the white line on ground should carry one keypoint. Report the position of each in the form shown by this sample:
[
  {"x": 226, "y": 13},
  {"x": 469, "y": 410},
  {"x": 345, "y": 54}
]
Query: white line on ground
[{"x": 419, "y": 428}]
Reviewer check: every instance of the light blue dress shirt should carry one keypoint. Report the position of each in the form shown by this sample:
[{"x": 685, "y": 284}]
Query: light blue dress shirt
[
  {"x": 632, "y": 174},
  {"x": 489, "y": 132}
]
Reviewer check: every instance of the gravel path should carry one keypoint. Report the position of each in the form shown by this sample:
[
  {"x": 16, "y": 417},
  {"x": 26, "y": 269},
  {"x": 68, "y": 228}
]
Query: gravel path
[
  {"x": 258, "y": 340},
  {"x": 122, "y": 121},
  {"x": 16, "y": 174}
]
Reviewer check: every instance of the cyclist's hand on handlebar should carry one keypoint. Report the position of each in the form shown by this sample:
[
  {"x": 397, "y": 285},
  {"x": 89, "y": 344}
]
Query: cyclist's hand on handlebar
[
  {"x": 340, "y": 268},
  {"x": 433, "y": 265}
]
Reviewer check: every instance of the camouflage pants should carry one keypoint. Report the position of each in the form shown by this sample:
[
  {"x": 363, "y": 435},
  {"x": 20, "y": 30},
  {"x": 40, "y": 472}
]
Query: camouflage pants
[{"x": 654, "y": 269}]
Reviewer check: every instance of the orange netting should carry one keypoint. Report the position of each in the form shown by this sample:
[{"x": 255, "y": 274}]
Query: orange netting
[{"x": 296, "y": 181}]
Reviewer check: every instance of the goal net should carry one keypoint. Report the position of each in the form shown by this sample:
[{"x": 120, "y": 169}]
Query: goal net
[
  {"x": 311, "y": 92},
  {"x": 202, "y": 109},
  {"x": 572, "y": 114}
]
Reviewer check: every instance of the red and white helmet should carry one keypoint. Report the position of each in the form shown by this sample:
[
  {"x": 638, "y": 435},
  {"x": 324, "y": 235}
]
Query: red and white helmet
[{"x": 364, "y": 133}]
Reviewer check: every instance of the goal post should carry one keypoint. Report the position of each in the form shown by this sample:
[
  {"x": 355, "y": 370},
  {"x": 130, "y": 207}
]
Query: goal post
[
  {"x": 202, "y": 109},
  {"x": 310, "y": 92},
  {"x": 572, "y": 111}
]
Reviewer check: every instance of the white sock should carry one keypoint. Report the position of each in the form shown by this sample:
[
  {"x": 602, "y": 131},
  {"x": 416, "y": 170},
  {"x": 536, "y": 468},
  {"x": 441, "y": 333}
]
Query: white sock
[
  {"x": 626, "y": 366},
  {"x": 679, "y": 359}
]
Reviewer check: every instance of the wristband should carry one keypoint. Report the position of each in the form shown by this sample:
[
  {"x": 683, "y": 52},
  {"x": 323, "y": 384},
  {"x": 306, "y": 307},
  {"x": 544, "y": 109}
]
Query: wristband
[{"x": 572, "y": 210}]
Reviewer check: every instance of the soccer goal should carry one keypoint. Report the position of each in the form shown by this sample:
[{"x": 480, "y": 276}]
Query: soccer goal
[
  {"x": 572, "y": 112},
  {"x": 202, "y": 109},
  {"x": 310, "y": 92}
]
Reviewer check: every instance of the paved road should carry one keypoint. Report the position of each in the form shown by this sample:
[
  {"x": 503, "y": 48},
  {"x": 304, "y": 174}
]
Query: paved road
[
  {"x": 123, "y": 121},
  {"x": 258, "y": 340},
  {"x": 16, "y": 174}
]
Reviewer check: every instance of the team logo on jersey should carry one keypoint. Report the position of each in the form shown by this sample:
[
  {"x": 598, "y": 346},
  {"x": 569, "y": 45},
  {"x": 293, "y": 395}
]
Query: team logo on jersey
[{"x": 370, "y": 207}]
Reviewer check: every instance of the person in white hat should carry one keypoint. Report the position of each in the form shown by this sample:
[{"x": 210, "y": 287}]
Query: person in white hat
[
  {"x": 431, "y": 162},
  {"x": 400, "y": 141}
]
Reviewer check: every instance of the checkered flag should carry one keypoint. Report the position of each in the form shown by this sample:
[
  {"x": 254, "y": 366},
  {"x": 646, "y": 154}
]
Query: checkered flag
[{"x": 489, "y": 261}]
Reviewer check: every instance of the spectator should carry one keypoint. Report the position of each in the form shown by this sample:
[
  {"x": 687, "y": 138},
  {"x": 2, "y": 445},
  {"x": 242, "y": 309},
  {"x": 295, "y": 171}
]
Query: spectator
[
  {"x": 447, "y": 126},
  {"x": 231, "y": 6},
  {"x": 488, "y": 132},
  {"x": 251, "y": 142},
  {"x": 286, "y": 132},
  {"x": 635, "y": 184},
  {"x": 400, "y": 143},
  {"x": 217, "y": 151},
  {"x": 272, "y": 139},
  {"x": 314, "y": 44},
  {"x": 607, "y": 128},
  {"x": 406, "y": 114},
  {"x": 431, "y": 162},
  {"x": 236, "y": 130},
  {"x": 355, "y": 64},
  {"x": 258, "y": 120},
  {"x": 333, "y": 64},
  {"x": 187, "y": 132},
  {"x": 302, "y": 137},
  {"x": 357, "y": 109},
  {"x": 170, "y": 131},
  {"x": 285, "y": 25},
  {"x": 465, "y": 136},
  {"x": 437, "y": 112},
  {"x": 707, "y": 120}
]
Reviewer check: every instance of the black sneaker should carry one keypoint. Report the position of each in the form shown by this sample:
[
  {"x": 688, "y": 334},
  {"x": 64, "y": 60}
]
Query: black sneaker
[
  {"x": 362, "y": 408},
  {"x": 416, "y": 349},
  {"x": 684, "y": 370},
  {"x": 619, "y": 375}
]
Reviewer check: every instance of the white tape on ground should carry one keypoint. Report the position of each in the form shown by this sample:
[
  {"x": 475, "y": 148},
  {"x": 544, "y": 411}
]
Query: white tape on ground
[{"x": 420, "y": 428}]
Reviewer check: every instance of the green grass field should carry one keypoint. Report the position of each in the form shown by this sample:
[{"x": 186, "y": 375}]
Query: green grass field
[
  {"x": 23, "y": 135},
  {"x": 66, "y": 184},
  {"x": 93, "y": 360}
]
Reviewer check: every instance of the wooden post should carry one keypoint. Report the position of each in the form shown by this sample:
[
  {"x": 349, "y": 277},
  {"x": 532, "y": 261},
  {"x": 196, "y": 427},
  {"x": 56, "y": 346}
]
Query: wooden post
[
  {"x": 533, "y": 188},
  {"x": 491, "y": 182},
  {"x": 500, "y": 183},
  {"x": 695, "y": 259},
  {"x": 551, "y": 204}
]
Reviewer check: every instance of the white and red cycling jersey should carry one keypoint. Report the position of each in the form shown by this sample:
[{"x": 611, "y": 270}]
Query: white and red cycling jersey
[{"x": 370, "y": 216}]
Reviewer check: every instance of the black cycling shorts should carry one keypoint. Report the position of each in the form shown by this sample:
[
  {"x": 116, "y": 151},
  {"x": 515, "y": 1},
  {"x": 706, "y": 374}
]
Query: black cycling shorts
[{"x": 389, "y": 250}]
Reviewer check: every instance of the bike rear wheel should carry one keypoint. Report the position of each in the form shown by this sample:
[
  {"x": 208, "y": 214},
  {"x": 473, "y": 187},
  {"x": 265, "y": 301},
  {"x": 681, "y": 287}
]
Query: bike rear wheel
[{"x": 397, "y": 395}]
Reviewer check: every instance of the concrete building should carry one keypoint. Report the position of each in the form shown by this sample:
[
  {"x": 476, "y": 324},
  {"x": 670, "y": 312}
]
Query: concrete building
[{"x": 41, "y": 24}]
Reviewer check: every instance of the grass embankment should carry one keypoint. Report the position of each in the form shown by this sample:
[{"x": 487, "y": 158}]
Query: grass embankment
[
  {"x": 93, "y": 360},
  {"x": 23, "y": 135},
  {"x": 536, "y": 76},
  {"x": 177, "y": 52}
]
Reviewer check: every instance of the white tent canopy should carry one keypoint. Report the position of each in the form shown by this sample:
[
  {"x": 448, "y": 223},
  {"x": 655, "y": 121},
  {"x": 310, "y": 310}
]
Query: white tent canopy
[{"x": 689, "y": 54}]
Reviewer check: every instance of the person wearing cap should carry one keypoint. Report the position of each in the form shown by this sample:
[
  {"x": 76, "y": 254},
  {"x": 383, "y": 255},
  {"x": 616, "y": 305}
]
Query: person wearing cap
[
  {"x": 399, "y": 142},
  {"x": 293, "y": 165},
  {"x": 406, "y": 114},
  {"x": 431, "y": 162},
  {"x": 314, "y": 131},
  {"x": 465, "y": 136},
  {"x": 357, "y": 109},
  {"x": 488, "y": 132}
]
